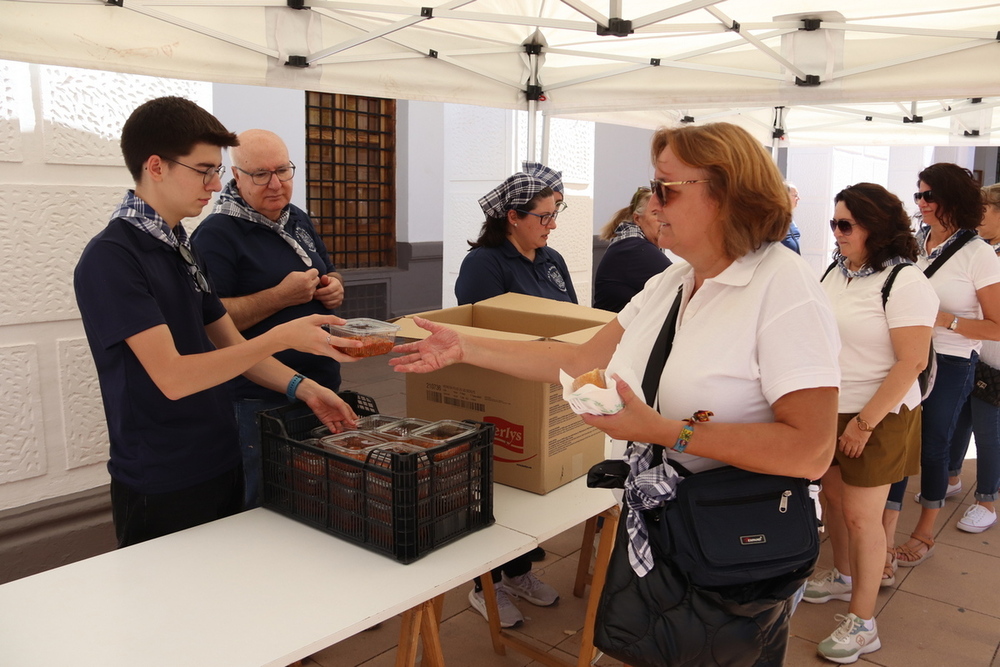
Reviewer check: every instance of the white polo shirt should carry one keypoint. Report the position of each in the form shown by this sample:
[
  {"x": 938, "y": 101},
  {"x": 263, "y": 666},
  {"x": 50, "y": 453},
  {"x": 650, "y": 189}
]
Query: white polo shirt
[
  {"x": 759, "y": 330},
  {"x": 866, "y": 354},
  {"x": 972, "y": 268}
]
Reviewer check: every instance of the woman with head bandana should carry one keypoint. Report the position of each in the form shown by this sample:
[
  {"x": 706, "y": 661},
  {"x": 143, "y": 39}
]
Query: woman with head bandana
[{"x": 512, "y": 253}]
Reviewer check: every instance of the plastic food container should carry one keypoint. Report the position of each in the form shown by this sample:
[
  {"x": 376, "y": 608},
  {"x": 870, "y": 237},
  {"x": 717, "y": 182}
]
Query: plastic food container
[
  {"x": 353, "y": 444},
  {"x": 401, "y": 428},
  {"x": 377, "y": 337},
  {"x": 375, "y": 422},
  {"x": 445, "y": 430}
]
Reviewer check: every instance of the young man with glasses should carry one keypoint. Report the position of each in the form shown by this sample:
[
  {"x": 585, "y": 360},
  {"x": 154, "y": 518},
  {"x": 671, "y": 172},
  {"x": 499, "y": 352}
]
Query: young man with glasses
[
  {"x": 163, "y": 343},
  {"x": 270, "y": 267}
]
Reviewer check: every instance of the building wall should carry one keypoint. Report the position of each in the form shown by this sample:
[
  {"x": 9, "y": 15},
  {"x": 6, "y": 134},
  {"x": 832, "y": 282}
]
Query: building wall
[{"x": 61, "y": 174}]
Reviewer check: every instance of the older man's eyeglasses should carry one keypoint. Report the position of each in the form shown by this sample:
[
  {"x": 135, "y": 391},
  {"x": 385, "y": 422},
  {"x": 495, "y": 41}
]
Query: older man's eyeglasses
[
  {"x": 208, "y": 174},
  {"x": 662, "y": 188},
  {"x": 846, "y": 227},
  {"x": 199, "y": 278},
  {"x": 544, "y": 219},
  {"x": 263, "y": 176}
]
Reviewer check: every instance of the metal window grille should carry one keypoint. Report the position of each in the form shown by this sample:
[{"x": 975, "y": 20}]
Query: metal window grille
[
  {"x": 351, "y": 177},
  {"x": 365, "y": 300}
]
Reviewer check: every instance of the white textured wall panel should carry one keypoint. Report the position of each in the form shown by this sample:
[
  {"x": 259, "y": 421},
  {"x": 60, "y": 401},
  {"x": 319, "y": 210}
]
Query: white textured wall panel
[
  {"x": 13, "y": 94},
  {"x": 83, "y": 110},
  {"x": 85, "y": 429},
  {"x": 43, "y": 230},
  {"x": 21, "y": 453}
]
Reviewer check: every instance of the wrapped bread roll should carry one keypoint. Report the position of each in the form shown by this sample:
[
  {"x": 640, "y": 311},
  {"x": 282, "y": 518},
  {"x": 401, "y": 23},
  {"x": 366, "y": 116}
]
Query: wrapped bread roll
[{"x": 594, "y": 377}]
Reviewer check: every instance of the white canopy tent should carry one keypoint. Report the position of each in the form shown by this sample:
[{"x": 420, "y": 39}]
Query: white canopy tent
[{"x": 794, "y": 72}]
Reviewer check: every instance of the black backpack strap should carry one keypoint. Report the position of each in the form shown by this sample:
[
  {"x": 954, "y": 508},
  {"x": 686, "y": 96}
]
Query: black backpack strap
[
  {"x": 887, "y": 285},
  {"x": 828, "y": 270},
  {"x": 964, "y": 237}
]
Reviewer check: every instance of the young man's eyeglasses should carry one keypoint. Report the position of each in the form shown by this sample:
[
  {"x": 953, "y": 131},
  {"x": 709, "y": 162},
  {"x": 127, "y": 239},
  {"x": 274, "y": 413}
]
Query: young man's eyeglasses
[
  {"x": 926, "y": 195},
  {"x": 846, "y": 227},
  {"x": 544, "y": 219},
  {"x": 662, "y": 188},
  {"x": 263, "y": 176},
  {"x": 199, "y": 277},
  {"x": 208, "y": 174}
]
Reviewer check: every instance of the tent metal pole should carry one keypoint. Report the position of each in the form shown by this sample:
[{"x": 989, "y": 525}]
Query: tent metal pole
[
  {"x": 546, "y": 121},
  {"x": 532, "y": 113}
]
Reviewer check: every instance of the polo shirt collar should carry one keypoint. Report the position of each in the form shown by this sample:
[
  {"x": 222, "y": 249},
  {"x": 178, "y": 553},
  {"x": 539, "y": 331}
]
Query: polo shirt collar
[
  {"x": 510, "y": 251},
  {"x": 741, "y": 271}
]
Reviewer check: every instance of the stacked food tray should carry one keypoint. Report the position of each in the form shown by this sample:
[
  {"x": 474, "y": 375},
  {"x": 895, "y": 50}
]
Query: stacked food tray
[{"x": 401, "y": 487}]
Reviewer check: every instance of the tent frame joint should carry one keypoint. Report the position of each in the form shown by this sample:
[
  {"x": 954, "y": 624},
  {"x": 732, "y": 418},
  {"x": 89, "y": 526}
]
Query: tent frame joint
[
  {"x": 297, "y": 61},
  {"x": 810, "y": 80},
  {"x": 809, "y": 25},
  {"x": 534, "y": 93},
  {"x": 121, "y": 3},
  {"x": 913, "y": 119},
  {"x": 616, "y": 28}
]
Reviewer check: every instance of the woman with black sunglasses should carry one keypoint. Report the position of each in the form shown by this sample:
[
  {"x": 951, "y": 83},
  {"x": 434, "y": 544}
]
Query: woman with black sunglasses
[
  {"x": 884, "y": 346},
  {"x": 968, "y": 285}
]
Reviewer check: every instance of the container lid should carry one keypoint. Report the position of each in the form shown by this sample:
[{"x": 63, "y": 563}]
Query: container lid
[
  {"x": 373, "y": 422},
  {"x": 352, "y": 441},
  {"x": 364, "y": 326},
  {"x": 445, "y": 430},
  {"x": 402, "y": 428}
]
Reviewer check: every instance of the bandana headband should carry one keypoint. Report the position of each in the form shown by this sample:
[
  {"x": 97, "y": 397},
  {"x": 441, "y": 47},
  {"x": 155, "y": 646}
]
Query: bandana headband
[
  {"x": 513, "y": 193},
  {"x": 550, "y": 177}
]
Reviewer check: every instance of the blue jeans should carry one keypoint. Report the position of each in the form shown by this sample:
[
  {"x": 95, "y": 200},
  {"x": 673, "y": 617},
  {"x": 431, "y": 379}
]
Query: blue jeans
[
  {"x": 984, "y": 420},
  {"x": 246, "y": 420},
  {"x": 941, "y": 412}
]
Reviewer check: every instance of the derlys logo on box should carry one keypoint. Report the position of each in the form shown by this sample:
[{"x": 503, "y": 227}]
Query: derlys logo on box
[{"x": 508, "y": 436}]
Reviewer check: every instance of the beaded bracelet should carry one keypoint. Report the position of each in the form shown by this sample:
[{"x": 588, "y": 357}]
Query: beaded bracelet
[
  {"x": 684, "y": 438},
  {"x": 293, "y": 385}
]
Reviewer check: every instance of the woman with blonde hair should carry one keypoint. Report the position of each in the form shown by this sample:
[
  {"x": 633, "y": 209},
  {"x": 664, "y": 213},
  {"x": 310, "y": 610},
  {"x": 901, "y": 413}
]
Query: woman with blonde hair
[
  {"x": 735, "y": 306},
  {"x": 633, "y": 257}
]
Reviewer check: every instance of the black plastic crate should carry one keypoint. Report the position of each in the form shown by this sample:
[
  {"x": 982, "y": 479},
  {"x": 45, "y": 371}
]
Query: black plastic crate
[{"x": 401, "y": 504}]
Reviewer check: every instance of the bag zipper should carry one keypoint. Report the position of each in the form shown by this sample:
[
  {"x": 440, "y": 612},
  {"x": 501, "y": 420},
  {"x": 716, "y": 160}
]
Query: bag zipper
[{"x": 782, "y": 497}]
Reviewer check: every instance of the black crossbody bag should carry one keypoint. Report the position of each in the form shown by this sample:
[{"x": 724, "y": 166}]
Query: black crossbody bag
[{"x": 728, "y": 526}]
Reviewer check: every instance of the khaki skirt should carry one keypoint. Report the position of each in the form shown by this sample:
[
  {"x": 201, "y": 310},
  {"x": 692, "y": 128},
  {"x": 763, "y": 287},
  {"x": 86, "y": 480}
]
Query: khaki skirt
[{"x": 892, "y": 452}]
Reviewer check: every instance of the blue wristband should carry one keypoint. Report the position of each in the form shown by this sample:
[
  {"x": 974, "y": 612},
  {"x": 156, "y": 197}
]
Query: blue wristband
[{"x": 293, "y": 385}]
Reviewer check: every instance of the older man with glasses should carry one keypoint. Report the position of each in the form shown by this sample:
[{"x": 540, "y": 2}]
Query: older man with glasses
[{"x": 269, "y": 266}]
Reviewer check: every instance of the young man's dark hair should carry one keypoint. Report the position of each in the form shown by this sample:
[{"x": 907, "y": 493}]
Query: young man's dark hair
[{"x": 169, "y": 127}]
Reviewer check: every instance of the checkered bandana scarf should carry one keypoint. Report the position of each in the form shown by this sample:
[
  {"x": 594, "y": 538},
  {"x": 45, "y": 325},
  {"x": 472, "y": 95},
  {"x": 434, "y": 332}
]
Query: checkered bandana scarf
[
  {"x": 551, "y": 177},
  {"x": 513, "y": 193},
  {"x": 922, "y": 236},
  {"x": 627, "y": 230},
  {"x": 231, "y": 203},
  {"x": 133, "y": 210},
  {"x": 645, "y": 488}
]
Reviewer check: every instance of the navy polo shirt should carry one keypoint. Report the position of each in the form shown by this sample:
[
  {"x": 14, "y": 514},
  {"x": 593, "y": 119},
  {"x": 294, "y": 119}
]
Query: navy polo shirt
[
  {"x": 244, "y": 258},
  {"x": 489, "y": 272},
  {"x": 127, "y": 282},
  {"x": 626, "y": 266}
]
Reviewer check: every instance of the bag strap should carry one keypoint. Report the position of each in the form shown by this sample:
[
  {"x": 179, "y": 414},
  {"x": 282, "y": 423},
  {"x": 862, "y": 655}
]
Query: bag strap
[
  {"x": 828, "y": 270},
  {"x": 964, "y": 237},
  {"x": 887, "y": 285},
  {"x": 661, "y": 350}
]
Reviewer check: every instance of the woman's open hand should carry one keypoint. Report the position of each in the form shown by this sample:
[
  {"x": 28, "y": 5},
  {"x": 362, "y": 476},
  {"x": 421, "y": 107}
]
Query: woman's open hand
[{"x": 442, "y": 348}]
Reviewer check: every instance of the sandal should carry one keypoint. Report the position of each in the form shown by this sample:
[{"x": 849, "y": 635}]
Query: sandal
[
  {"x": 910, "y": 557},
  {"x": 889, "y": 571}
]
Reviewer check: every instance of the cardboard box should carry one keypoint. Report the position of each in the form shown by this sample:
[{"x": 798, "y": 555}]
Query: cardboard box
[{"x": 540, "y": 444}]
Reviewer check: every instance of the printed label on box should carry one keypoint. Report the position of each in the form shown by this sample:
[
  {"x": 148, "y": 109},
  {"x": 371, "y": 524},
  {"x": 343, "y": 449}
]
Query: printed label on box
[{"x": 510, "y": 437}]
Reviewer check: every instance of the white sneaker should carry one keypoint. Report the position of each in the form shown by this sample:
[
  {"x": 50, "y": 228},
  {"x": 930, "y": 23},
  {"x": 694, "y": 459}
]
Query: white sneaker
[
  {"x": 977, "y": 519},
  {"x": 849, "y": 641},
  {"x": 953, "y": 490},
  {"x": 531, "y": 588},
  {"x": 510, "y": 616},
  {"x": 828, "y": 586}
]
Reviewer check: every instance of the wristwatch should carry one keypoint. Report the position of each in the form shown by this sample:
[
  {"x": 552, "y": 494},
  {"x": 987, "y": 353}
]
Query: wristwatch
[
  {"x": 954, "y": 324},
  {"x": 863, "y": 425}
]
